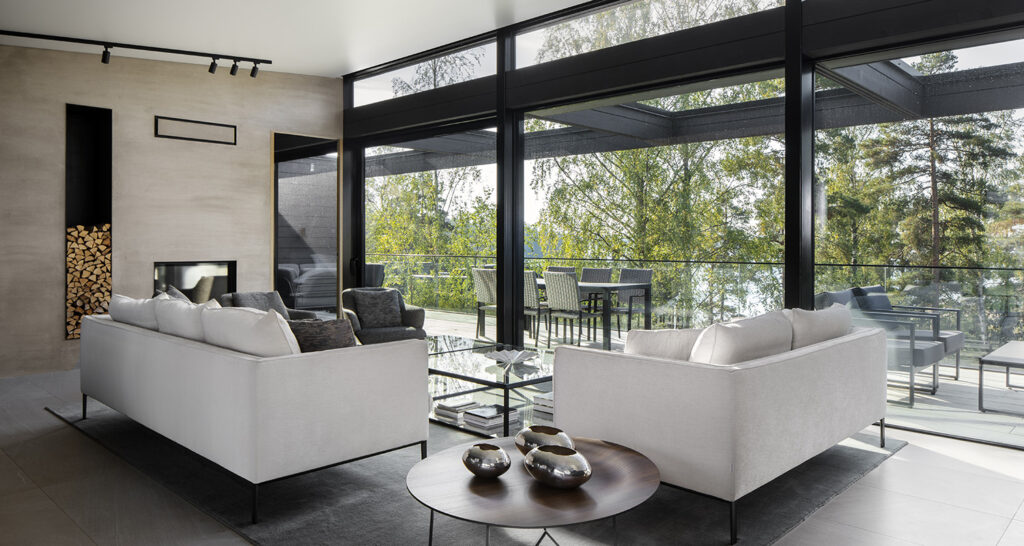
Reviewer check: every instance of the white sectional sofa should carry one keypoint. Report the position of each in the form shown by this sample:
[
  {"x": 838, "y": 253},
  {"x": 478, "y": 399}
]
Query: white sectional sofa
[
  {"x": 724, "y": 430},
  {"x": 261, "y": 418}
]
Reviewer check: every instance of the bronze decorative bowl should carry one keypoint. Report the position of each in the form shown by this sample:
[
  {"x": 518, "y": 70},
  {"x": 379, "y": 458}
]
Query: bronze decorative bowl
[
  {"x": 541, "y": 435},
  {"x": 486, "y": 460},
  {"x": 557, "y": 466}
]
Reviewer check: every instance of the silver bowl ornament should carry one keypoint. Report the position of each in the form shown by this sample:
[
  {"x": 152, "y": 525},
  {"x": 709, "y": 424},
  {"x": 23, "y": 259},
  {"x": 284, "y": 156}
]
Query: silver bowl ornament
[
  {"x": 541, "y": 435},
  {"x": 486, "y": 460},
  {"x": 558, "y": 466}
]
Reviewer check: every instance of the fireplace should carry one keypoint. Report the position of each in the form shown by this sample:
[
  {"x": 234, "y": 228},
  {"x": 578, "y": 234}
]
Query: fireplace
[{"x": 200, "y": 281}]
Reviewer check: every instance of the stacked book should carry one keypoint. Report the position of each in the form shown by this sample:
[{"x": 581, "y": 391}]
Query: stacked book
[
  {"x": 451, "y": 409},
  {"x": 490, "y": 419},
  {"x": 544, "y": 406}
]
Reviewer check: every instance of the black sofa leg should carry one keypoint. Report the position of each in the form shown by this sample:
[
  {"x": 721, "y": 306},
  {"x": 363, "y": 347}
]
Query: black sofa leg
[
  {"x": 423, "y": 449},
  {"x": 881, "y": 432},
  {"x": 255, "y": 503},
  {"x": 732, "y": 522},
  {"x": 85, "y": 397}
]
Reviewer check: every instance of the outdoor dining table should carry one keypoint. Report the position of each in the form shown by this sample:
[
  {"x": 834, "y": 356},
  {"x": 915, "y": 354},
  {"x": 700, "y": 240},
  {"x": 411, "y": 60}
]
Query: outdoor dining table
[{"x": 606, "y": 289}]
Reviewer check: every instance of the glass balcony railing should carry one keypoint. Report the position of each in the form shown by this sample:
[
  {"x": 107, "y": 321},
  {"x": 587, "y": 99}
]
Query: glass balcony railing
[
  {"x": 685, "y": 294},
  {"x": 989, "y": 298}
]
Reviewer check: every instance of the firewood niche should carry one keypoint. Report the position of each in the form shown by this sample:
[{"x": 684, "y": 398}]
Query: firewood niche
[
  {"x": 88, "y": 274},
  {"x": 87, "y": 215}
]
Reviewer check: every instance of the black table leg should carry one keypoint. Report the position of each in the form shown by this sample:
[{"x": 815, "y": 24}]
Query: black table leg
[
  {"x": 430, "y": 539},
  {"x": 505, "y": 400},
  {"x": 647, "y": 308},
  {"x": 606, "y": 320}
]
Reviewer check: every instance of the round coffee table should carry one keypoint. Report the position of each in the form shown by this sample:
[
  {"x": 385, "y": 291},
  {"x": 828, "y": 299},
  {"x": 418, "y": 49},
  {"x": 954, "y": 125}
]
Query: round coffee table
[{"x": 622, "y": 479}]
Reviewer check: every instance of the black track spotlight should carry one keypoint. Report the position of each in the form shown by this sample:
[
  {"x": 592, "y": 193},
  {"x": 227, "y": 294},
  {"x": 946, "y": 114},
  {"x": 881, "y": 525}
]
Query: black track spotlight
[
  {"x": 213, "y": 66},
  {"x": 234, "y": 68},
  {"x": 255, "y": 70},
  {"x": 105, "y": 59}
]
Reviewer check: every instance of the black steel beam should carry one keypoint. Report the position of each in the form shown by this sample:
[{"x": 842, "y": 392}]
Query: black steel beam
[
  {"x": 889, "y": 83},
  {"x": 457, "y": 103},
  {"x": 632, "y": 120},
  {"x": 510, "y": 195},
  {"x": 798, "y": 270},
  {"x": 835, "y": 28},
  {"x": 352, "y": 244},
  {"x": 973, "y": 91},
  {"x": 747, "y": 43}
]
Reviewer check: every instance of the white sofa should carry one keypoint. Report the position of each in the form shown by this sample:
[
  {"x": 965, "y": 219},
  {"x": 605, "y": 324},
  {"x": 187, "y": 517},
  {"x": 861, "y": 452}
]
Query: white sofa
[
  {"x": 261, "y": 418},
  {"x": 721, "y": 430}
]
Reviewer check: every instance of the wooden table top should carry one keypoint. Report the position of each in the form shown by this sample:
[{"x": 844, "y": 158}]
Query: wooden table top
[{"x": 622, "y": 479}]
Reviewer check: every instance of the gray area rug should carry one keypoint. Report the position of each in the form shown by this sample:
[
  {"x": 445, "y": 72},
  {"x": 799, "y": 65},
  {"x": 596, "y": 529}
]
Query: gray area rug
[{"x": 365, "y": 502}]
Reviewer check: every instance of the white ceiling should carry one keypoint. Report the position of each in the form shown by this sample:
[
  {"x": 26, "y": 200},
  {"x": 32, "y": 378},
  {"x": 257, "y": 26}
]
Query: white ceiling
[{"x": 318, "y": 37}]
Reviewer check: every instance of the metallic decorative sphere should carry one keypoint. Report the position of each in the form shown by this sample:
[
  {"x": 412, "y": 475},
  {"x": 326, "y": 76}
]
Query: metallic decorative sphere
[
  {"x": 540, "y": 435},
  {"x": 557, "y": 466},
  {"x": 486, "y": 460}
]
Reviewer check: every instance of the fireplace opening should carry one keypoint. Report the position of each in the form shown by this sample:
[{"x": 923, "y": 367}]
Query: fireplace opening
[{"x": 200, "y": 281}]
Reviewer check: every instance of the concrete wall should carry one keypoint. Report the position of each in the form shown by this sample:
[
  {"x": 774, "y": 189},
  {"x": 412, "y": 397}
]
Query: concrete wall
[{"x": 173, "y": 200}]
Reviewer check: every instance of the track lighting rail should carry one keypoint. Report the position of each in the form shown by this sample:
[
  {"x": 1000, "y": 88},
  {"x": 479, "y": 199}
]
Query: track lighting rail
[{"x": 106, "y": 45}]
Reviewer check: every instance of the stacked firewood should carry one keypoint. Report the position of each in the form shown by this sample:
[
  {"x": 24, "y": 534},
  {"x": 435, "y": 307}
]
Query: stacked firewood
[{"x": 88, "y": 274}]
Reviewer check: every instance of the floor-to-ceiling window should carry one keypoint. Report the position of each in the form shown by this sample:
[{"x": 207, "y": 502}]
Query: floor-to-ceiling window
[
  {"x": 430, "y": 228},
  {"x": 681, "y": 187},
  {"x": 654, "y": 139},
  {"x": 919, "y": 194}
]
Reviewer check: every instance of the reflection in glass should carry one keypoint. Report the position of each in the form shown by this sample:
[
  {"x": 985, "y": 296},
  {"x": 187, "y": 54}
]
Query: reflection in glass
[
  {"x": 460, "y": 66},
  {"x": 307, "y": 232},
  {"x": 624, "y": 23}
]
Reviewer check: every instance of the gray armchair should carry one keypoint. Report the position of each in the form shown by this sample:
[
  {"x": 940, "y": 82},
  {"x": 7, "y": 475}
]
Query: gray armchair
[
  {"x": 375, "y": 319},
  {"x": 264, "y": 301},
  {"x": 915, "y": 339}
]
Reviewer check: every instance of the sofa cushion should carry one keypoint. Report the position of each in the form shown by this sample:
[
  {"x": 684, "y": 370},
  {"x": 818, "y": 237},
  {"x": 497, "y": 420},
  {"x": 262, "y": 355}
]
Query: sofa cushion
[
  {"x": 182, "y": 318},
  {"x": 321, "y": 335},
  {"x": 872, "y": 298},
  {"x": 264, "y": 301},
  {"x": 260, "y": 333},
  {"x": 378, "y": 308},
  {"x": 810, "y": 327},
  {"x": 137, "y": 312},
  {"x": 392, "y": 333},
  {"x": 670, "y": 344},
  {"x": 742, "y": 340}
]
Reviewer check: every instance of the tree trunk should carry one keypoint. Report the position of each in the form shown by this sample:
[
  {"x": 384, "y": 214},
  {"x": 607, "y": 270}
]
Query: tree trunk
[{"x": 936, "y": 236}]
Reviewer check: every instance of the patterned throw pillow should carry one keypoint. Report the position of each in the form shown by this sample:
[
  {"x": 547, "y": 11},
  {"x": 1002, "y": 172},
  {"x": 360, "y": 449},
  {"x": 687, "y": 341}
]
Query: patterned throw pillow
[
  {"x": 321, "y": 335},
  {"x": 378, "y": 308}
]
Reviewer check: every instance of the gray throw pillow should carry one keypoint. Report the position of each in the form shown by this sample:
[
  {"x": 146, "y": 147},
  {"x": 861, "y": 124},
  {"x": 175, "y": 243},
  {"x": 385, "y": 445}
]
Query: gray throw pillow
[
  {"x": 177, "y": 294},
  {"x": 378, "y": 308},
  {"x": 264, "y": 301},
  {"x": 322, "y": 335}
]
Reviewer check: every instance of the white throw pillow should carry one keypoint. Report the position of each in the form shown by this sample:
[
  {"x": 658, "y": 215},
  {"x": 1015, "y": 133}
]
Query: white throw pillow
[
  {"x": 671, "y": 344},
  {"x": 137, "y": 312},
  {"x": 260, "y": 333},
  {"x": 182, "y": 318},
  {"x": 810, "y": 327},
  {"x": 743, "y": 340}
]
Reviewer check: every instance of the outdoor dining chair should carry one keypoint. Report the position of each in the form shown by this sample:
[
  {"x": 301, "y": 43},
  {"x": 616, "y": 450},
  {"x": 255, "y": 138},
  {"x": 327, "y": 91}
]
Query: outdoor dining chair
[
  {"x": 485, "y": 283},
  {"x": 564, "y": 303},
  {"x": 533, "y": 307},
  {"x": 629, "y": 298}
]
